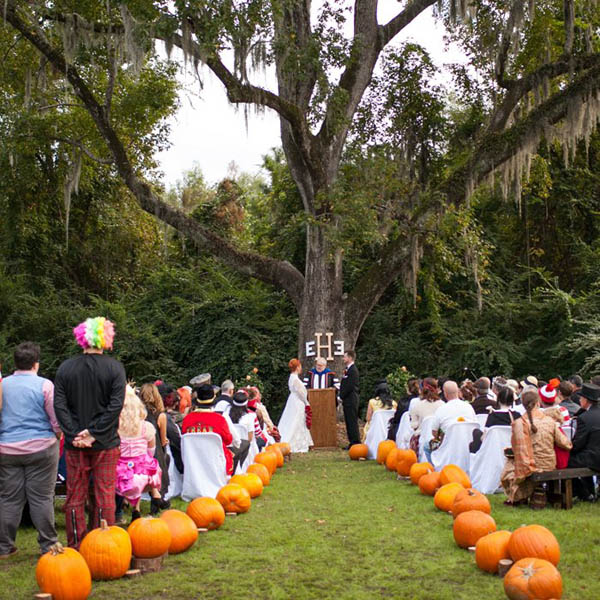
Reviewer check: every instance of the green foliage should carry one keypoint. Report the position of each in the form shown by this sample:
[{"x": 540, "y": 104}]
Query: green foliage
[{"x": 398, "y": 382}]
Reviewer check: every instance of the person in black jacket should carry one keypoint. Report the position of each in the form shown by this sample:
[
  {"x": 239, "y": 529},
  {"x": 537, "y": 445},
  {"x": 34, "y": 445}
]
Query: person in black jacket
[
  {"x": 349, "y": 396},
  {"x": 89, "y": 391},
  {"x": 586, "y": 443}
]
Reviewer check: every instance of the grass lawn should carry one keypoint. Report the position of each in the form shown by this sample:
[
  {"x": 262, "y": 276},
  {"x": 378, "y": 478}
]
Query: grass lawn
[{"x": 327, "y": 527}]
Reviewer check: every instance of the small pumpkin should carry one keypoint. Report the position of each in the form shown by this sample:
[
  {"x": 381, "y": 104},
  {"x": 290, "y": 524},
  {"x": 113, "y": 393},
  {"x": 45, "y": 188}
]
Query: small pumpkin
[
  {"x": 534, "y": 541},
  {"x": 418, "y": 470},
  {"x": 357, "y": 451},
  {"x": 406, "y": 459},
  {"x": 207, "y": 513},
  {"x": 471, "y": 525},
  {"x": 150, "y": 537},
  {"x": 470, "y": 499},
  {"x": 277, "y": 453},
  {"x": 107, "y": 551},
  {"x": 269, "y": 459},
  {"x": 491, "y": 549},
  {"x": 391, "y": 459},
  {"x": 533, "y": 579},
  {"x": 429, "y": 484},
  {"x": 63, "y": 573},
  {"x": 184, "y": 531},
  {"x": 234, "y": 498},
  {"x": 261, "y": 471},
  {"x": 452, "y": 473},
  {"x": 384, "y": 448},
  {"x": 285, "y": 448},
  {"x": 251, "y": 481},
  {"x": 444, "y": 497}
]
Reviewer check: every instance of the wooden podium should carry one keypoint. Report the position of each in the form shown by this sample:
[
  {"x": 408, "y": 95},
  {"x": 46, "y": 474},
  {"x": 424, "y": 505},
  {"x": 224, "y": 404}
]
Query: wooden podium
[{"x": 323, "y": 429}]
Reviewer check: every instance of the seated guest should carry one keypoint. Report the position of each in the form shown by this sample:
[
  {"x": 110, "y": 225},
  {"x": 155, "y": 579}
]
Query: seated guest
[
  {"x": 261, "y": 441},
  {"x": 533, "y": 438},
  {"x": 382, "y": 401},
  {"x": 467, "y": 391},
  {"x": 550, "y": 402},
  {"x": 225, "y": 398},
  {"x": 586, "y": 443},
  {"x": 174, "y": 418},
  {"x": 404, "y": 404},
  {"x": 576, "y": 382},
  {"x": 321, "y": 377},
  {"x": 28, "y": 451},
  {"x": 529, "y": 381},
  {"x": 483, "y": 403},
  {"x": 503, "y": 415},
  {"x": 452, "y": 410},
  {"x": 239, "y": 414},
  {"x": 565, "y": 391},
  {"x": 427, "y": 405},
  {"x": 185, "y": 400}
]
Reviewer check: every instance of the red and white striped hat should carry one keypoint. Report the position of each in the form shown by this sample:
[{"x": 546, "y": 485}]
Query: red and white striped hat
[{"x": 548, "y": 392}]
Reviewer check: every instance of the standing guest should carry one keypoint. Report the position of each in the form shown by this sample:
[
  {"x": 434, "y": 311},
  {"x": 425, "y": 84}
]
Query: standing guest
[
  {"x": 565, "y": 391},
  {"x": 586, "y": 443},
  {"x": 225, "y": 398},
  {"x": 321, "y": 376},
  {"x": 349, "y": 387},
  {"x": 483, "y": 403},
  {"x": 88, "y": 398},
  {"x": 157, "y": 417},
  {"x": 28, "y": 451},
  {"x": 382, "y": 401},
  {"x": 430, "y": 402},
  {"x": 292, "y": 424},
  {"x": 576, "y": 382}
]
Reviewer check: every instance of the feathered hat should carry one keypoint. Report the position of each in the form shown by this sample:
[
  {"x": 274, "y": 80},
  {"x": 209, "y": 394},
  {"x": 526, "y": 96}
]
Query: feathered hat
[
  {"x": 97, "y": 332},
  {"x": 548, "y": 392}
]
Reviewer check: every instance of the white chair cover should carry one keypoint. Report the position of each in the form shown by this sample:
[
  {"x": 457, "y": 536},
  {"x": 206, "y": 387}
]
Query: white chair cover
[
  {"x": 405, "y": 432},
  {"x": 568, "y": 431},
  {"x": 378, "y": 431},
  {"x": 175, "y": 478},
  {"x": 252, "y": 451},
  {"x": 487, "y": 464},
  {"x": 425, "y": 436},
  {"x": 454, "y": 449},
  {"x": 204, "y": 463},
  {"x": 481, "y": 419}
]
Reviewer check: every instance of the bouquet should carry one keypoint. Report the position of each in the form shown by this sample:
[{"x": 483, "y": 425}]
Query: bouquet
[{"x": 308, "y": 415}]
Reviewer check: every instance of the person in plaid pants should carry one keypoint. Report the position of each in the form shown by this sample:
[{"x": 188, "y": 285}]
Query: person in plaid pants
[{"x": 88, "y": 398}]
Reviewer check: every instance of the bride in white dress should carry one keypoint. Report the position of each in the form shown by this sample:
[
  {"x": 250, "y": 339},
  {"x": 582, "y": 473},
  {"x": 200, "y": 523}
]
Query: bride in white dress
[{"x": 292, "y": 424}]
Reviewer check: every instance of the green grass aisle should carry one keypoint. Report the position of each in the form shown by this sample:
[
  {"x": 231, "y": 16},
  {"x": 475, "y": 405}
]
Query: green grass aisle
[{"x": 330, "y": 528}]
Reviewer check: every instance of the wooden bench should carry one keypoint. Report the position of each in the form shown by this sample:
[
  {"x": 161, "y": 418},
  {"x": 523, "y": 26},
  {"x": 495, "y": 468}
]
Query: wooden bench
[{"x": 561, "y": 480}]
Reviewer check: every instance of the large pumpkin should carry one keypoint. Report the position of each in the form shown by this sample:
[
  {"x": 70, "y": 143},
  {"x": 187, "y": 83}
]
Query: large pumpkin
[
  {"x": 470, "y": 499},
  {"x": 429, "y": 484},
  {"x": 533, "y": 579},
  {"x": 452, "y": 473},
  {"x": 261, "y": 471},
  {"x": 418, "y": 470},
  {"x": 184, "y": 531},
  {"x": 444, "y": 497},
  {"x": 357, "y": 451},
  {"x": 534, "y": 541},
  {"x": 284, "y": 447},
  {"x": 150, "y": 537},
  {"x": 384, "y": 448},
  {"x": 251, "y": 481},
  {"x": 269, "y": 459},
  {"x": 491, "y": 549},
  {"x": 391, "y": 459},
  {"x": 406, "y": 459},
  {"x": 278, "y": 454},
  {"x": 64, "y": 573},
  {"x": 207, "y": 513},
  {"x": 234, "y": 498},
  {"x": 471, "y": 525},
  {"x": 107, "y": 551}
]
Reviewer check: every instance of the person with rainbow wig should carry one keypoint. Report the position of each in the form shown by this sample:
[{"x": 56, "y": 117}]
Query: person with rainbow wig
[{"x": 88, "y": 398}]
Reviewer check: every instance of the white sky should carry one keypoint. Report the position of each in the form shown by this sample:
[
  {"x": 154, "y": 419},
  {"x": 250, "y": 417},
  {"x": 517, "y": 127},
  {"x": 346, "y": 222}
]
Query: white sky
[{"x": 210, "y": 132}]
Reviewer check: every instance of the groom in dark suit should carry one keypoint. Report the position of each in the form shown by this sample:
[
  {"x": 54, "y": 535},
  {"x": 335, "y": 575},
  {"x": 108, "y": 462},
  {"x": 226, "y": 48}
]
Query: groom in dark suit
[{"x": 349, "y": 396}]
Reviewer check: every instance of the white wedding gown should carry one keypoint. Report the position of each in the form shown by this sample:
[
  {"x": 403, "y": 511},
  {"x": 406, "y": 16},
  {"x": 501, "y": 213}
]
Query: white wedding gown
[{"x": 292, "y": 424}]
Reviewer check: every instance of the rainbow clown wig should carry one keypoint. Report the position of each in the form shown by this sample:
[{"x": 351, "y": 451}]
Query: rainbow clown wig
[{"x": 95, "y": 333}]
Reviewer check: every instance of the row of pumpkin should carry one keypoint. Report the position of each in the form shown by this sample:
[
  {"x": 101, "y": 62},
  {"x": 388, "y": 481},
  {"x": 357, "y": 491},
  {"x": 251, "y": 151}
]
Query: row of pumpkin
[
  {"x": 106, "y": 552},
  {"x": 533, "y": 548}
]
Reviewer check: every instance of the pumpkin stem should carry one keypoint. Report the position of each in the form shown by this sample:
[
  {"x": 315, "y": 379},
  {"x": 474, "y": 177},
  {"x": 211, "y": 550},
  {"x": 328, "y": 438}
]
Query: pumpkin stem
[
  {"x": 103, "y": 524},
  {"x": 57, "y": 549}
]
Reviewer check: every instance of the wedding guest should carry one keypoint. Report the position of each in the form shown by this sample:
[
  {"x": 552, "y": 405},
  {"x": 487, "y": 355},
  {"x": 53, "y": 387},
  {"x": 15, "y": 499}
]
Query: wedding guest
[
  {"x": 565, "y": 391},
  {"x": 503, "y": 415},
  {"x": 453, "y": 409},
  {"x": 483, "y": 403},
  {"x": 550, "y": 400},
  {"x": 382, "y": 401},
  {"x": 404, "y": 405},
  {"x": 225, "y": 398},
  {"x": 426, "y": 407}
]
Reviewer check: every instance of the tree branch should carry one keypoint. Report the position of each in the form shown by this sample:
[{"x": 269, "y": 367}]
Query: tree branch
[
  {"x": 515, "y": 14},
  {"x": 388, "y": 31},
  {"x": 88, "y": 153}
]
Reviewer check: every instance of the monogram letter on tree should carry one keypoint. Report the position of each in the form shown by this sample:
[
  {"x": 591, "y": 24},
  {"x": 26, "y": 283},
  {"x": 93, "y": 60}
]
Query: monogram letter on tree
[{"x": 330, "y": 346}]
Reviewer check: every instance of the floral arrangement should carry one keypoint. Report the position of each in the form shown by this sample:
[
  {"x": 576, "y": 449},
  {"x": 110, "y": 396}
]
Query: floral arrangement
[{"x": 252, "y": 379}]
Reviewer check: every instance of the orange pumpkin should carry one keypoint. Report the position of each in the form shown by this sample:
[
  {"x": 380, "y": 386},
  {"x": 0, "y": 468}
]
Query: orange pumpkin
[
  {"x": 184, "y": 531},
  {"x": 384, "y": 448},
  {"x": 261, "y": 471},
  {"x": 285, "y": 448},
  {"x": 406, "y": 459},
  {"x": 64, "y": 573},
  {"x": 150, "y": 537},
  {"x": 269, "y": 459},
  {"x": 534, "y": 541},
  {"x": 391, "y": 459},
  {"x": 470, "y": 499},
  {"x": 533, "y": 579},
  {"x": 278, "y": 454},
  {"x": 107, "y": 551},
  {"x": 357, "y": 451},
  {"x": 452, "y": 473},
  {"x": 444, "y": 497},
  {"x": 207, "y": 513},
  {"x": 429, "y": 484},
  {"x": 234, "y": 498},
  {"x": 471, "y": 525},
  {"x": 418, "y": 470},
  {"x": 491, "y": 549},
  {"x": 251, "y": 481}
]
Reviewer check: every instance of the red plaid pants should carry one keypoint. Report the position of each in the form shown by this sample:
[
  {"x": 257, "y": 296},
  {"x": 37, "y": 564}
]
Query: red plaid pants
[{"x": 102, "y": 464}]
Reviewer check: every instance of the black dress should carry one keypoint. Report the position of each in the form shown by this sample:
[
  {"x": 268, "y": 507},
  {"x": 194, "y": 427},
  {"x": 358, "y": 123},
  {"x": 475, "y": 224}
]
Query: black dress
[
  {"x": 496, "y": 417},
  {"x": 160, "y": 454}
]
